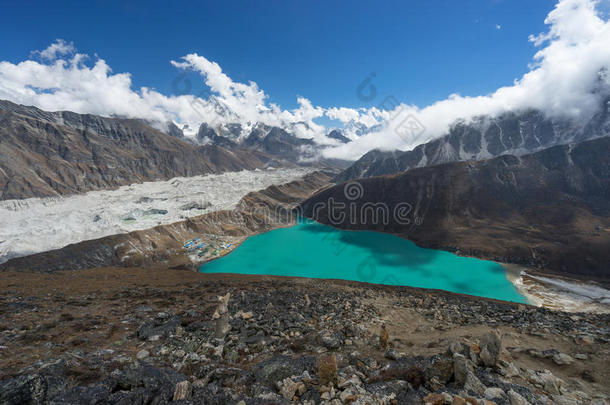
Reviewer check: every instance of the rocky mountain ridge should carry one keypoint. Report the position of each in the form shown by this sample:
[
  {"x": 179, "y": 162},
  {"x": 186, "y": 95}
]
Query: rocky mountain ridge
[
  {"x": 47, "y": 154},
  {"x": 549, "y": 209},
  {"x": 515, "y": 133},
  {"x": 276, "y": 141}
]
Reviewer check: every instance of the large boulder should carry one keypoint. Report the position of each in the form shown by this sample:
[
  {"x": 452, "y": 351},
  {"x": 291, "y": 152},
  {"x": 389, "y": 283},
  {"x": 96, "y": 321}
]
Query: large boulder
[
  {"x": 461, "y": 367},
  {"x": 490, "y": 345}
]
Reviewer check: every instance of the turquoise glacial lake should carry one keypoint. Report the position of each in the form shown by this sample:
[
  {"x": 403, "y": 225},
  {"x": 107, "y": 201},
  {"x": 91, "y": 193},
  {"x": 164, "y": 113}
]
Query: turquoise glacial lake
[{"x": 310, "y": 249}]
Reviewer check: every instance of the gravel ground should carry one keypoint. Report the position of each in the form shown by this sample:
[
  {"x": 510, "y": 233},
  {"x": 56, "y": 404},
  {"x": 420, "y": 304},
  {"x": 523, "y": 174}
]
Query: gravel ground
[{"x": 152, "y": 336}]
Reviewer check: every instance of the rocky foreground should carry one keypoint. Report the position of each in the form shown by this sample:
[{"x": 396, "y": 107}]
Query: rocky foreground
[{"x": 151, "y": 336}]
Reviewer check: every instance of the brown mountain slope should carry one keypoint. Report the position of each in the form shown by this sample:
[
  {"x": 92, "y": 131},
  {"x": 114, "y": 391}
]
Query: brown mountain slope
[
  {"x": 550, "y": 209},
  {"x": 40, "y": 156}
]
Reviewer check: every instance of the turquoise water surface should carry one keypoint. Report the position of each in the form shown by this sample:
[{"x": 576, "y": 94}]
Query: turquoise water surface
[{"x": 310, "y": 249}]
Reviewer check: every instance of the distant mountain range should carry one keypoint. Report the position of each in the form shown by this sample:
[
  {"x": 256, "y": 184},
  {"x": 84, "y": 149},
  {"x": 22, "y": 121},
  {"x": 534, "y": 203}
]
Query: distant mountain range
[
  {"x": 279, "y": 142},
  {"x": 53, "y": 153},
  {"x": 483, "y": 138},
  {"x": 262, "y": 138},
  {"x": 549, "y": 209}
]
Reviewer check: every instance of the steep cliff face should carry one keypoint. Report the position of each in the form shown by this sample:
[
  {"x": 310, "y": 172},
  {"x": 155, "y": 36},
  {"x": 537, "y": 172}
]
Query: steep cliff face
[
  {"x": 45, "y": 154},
  {"x": 550, "y": 209},
  {"x": 485, "y": 137}
]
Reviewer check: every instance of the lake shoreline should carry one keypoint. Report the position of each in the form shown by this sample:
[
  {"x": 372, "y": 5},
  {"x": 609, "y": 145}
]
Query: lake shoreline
[
  {"x": 556, "y": 292},
  {"x": 373, "y": 257},
  {"x": 540, "y": 295}
]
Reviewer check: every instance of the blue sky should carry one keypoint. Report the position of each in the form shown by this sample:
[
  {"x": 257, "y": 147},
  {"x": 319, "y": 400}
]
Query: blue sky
[
  {"x": 298, "y": 65},
  {"x": 420, "y": 51}
]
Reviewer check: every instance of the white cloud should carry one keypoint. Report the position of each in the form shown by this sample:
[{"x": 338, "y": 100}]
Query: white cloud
[
  {"x": 498, "y": 27},
  {"x": 62, "y": 80},
  {"x": 563, "y": 80},
  {"x": 58, "y": 48}
]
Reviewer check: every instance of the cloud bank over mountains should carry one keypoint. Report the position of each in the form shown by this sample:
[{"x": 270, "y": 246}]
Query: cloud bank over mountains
[{"x": 569, "y": 76}]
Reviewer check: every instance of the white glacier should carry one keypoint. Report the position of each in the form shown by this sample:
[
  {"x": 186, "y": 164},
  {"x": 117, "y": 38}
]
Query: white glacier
[{"x": 40, "y": 224}]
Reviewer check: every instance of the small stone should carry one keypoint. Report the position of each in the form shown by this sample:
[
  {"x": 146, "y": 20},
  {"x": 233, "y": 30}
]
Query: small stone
[
  {"x": 546, "y": 380},
  {"x": 330, "y": 342},
  {"x": 142, "y": 354},
  {"x": 458, "y": 400},
  {"x": 473, "y": 384},
  {"x": 344, "y": 395},
  {"x": 516, "y": 399},
  {"x": 494, "y": 393},
  {"x": 510, "y": 370},
  {"x": 435, "y": 384},
  {"x": 353, "y": 381},
  {"x": 288, "y": 388},
  {"x": 247, "y": 315},
  {"x": 353, "y": 398},
  {"x": 434, "y": 399},
  {"x": 392, "y": 354},
  {"x": 121, "y": 359},
  {"x": 581, "y": 356},
  {"x": 457, "y": 347},
  {"x": 562, "y": 359},
  {"x": 193, "y": 357},
  {"x": 183, "y": 391}
]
